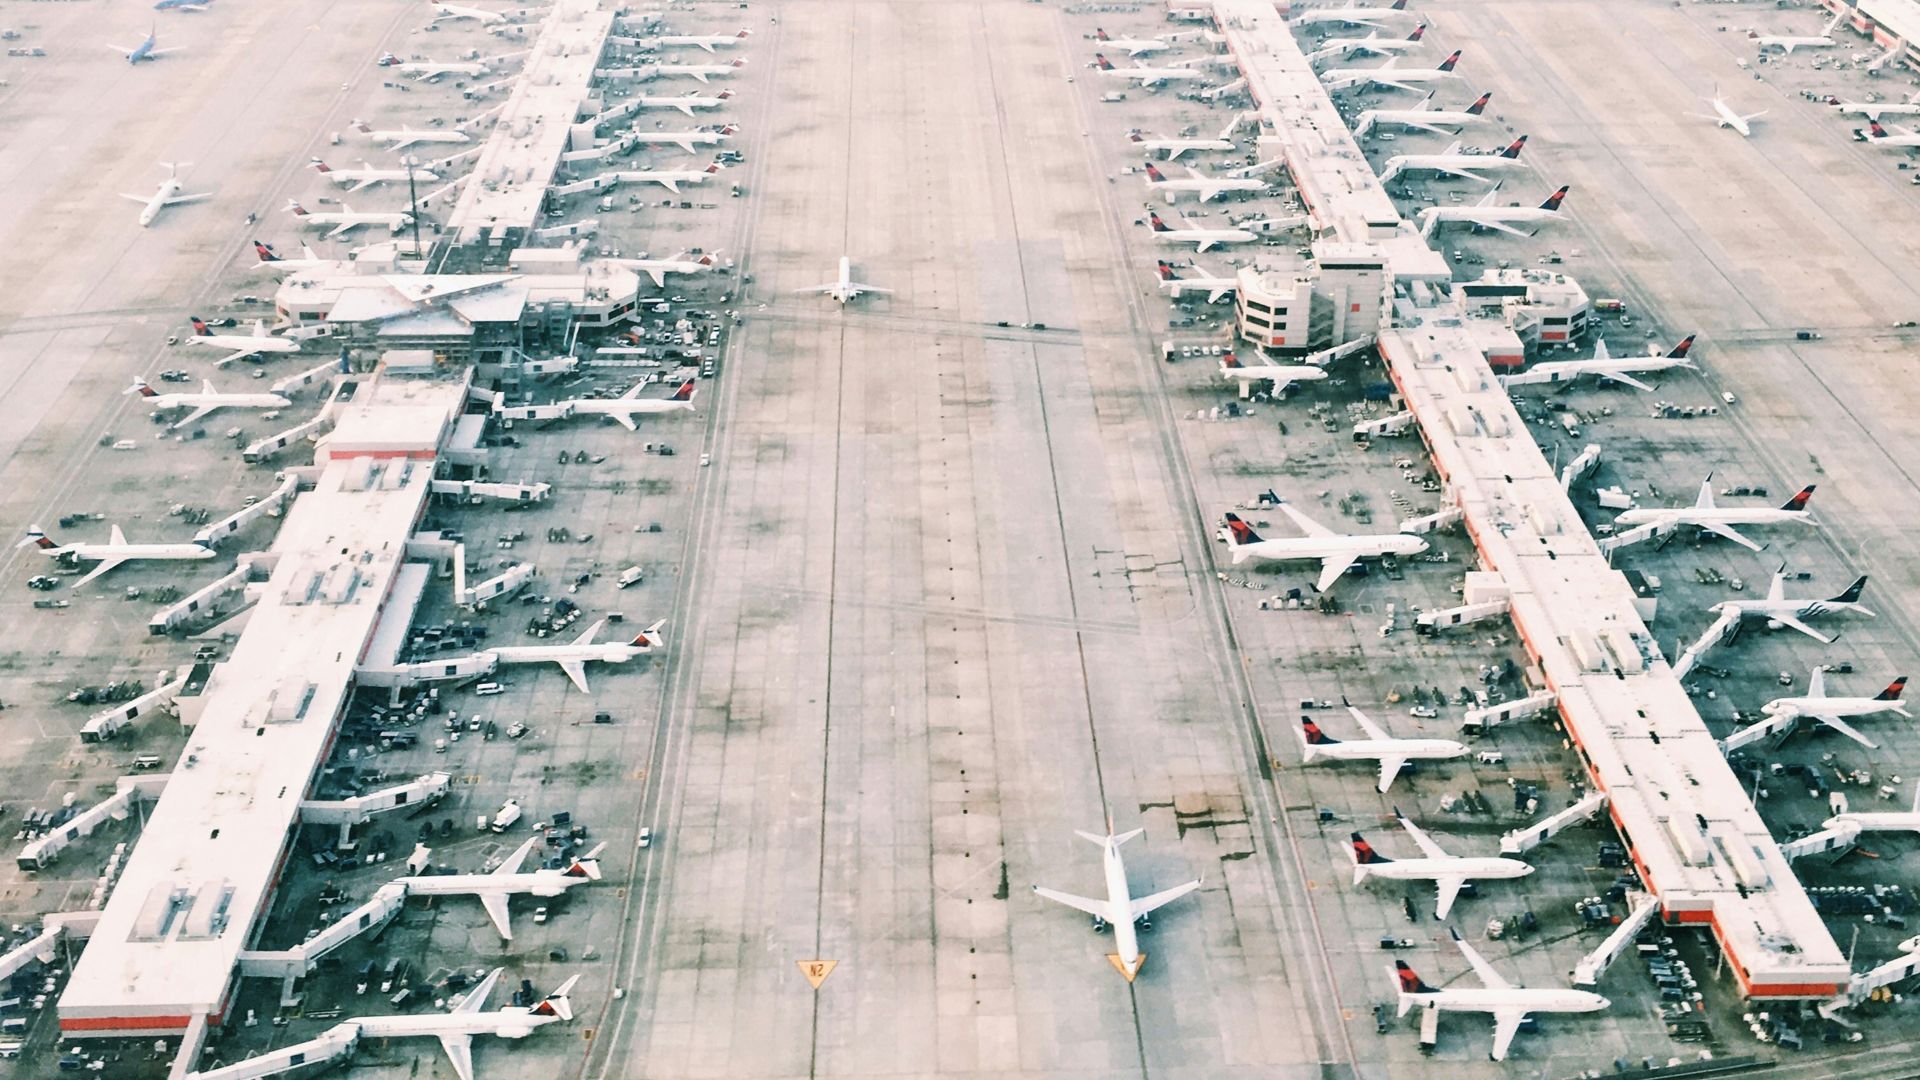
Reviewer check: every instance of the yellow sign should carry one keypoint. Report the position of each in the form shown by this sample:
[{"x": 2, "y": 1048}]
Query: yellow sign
[{"x": 817, "y": 971}]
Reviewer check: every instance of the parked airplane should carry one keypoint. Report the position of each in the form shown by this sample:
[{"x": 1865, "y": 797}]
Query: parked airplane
[
  {"x": 1831, "y": 710},
  {"x": 347, "y": 218},
  {"x": 1171, "y": 149},
  {"x": 1424, "y": 116},
  {"x": 1119, "y": 910},
  {"x": 1391, "y": 74},
  {"x": 1280, "y": 376},
  {"x": 1351, "y": 16},
  {"x": 702, "y": 72},
  {"x": 1508, "y": 1003},
  {"x": 456, "y": 1028},
  {"x": 443, "y": 12},
  {"x": 1454, "y": 163},
  {"x": 845, "y": 288},
  {"x": 182, "y": 5},
  {"x": 685, "y": 140},
  {"x": 240, "y": 346},
  {"x": 1874, "y": 110},
  {"x": 1603, "y": 365},
  {"x": 630, "y": 404},
  {"x": 1879, "y": 136},
  {"x": 1206, "y": 187},
  {"x": 1856, "y": 822},
  {"x": 1705, "y": 515},
  {"x": 367, "y": 175},
  {"x": 1724, "y": 116},
  {"x": 1217, "y": 288},
  {"x": 205, "y": 401},
  {"x": 671, "y": 179},
  {"x": 167, "y": 194},
  {"x": 1203, "y": 239},
  {"x": 273, "y": 260},
  {"x": 658, "y": 269},
  {"x": 1787, "y": 43},
  {"x": 406, "y": 136},
  {"x": 573, "y": 657},
  {"x": 112, "y": 553},
  {"x": 1133, "y": 46},
  {"x": 146, "y": 50},
  {"x": 1373, "y": 44},
  {"x": 686, "y": 103},
  {"x": 1149, "y": 77},
  {"x": 1780, "y": 611},
  {"x": 1485, "y": 215},
  {"x": 1378, "y": 746},
  {"x": 704, "y": 41},
  {"x": 1447, "y": 872},
  {"x": 429, "y": 70},
  {"x": 1335, "y": 552},
  {"x": 507, "y": 880}
]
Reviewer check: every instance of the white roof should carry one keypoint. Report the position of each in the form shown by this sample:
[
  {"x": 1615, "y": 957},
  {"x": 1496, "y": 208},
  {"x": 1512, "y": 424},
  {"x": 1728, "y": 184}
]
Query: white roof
[{"x": 1899, "y": 18}]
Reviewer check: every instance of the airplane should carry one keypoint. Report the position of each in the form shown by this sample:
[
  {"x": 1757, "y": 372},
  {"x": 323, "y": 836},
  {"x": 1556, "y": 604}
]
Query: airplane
[
  {"x": 1280, "y": 375},
  {"x": 167, "y": 194},
  {"x": 1787, "y": 43},
  {"x": 506, "y": 881},
  {"x": 1133, "y": 46},
  {"x": 1424, "y": 116},
  {"x": 573, "y": 657},
  {"x": 1335, "y": 552},
  {"x": 658, "y": 269},
  {"x": 145, "y": 50},
  {"x": 1351, "y": 16},
  {"x": 112, "y": 553},
  {"x": 1485, "y": 215},
  {"x": 1447, "y": 872},
  {"x": 1171, "y": 149},
  {"x": 272, "y": 259},
  {"x": 1373, "y": 44},
  {"x": 629, "y": 405},
  {"x": 1873, "y": 110},
  {"x": 1207, "y": 187},
  {"x": 406, "y": 136},
  {"x": 1391, "y": 753},
  {"x": 1454, "y": 163},
  {"x": 1856, "y": 822},
  {"x": 671, "y": 179},
  {"x": 182, "y": 5},
  {"x": 346, "y": 218},
  {"x": 240, "y": 345},
  {"x": 456, "y": 1028},
  {"x": 1724, "y": 116},
  {"x": 429, "y": 70},
  {"x": 204, "y": 402},
  {"x": 1508, "y": 1003},
  {"x": 1829, "y": 710},
  {"x": 1119, "y": 910},
  {"x": 699, "y": 71},
  {"x": 686, "y": 103},
  {"x": 1605, "y": 365},
  {"x": 1780, "y": 611},
  {"x": 704, "y": 41},
  {"x": 1148, "y": 77},
  {"x": 1878, "y": 136},
  {"x": 685, "y": 140},
  {"x": 1703, "y": 514},
  {"x": 1203, "y": 239},
  {"x": 367, "y": 175},
  {"x": 1391, "y": 74},
  {"x": 846, "y": 288},
  {"x": 1217, "y": 288},
  {"x": 443, "y": 12}
]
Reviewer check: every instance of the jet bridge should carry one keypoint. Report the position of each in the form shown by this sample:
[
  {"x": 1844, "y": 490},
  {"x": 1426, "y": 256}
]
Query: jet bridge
[
  {"x": 1494, "y": 715},
  {"x": 334, "y": 1044},
  {"x": 43, "y": 852},
  {"x": 358, "y": 809},
  {"x": 1429, "y": 621},
  {"x": 104, "y": 724},
  {"x": 1837, "y": 839},
  {"x": 1593, "y": 965},
  {"x": 500, "y": 584},
  {"x": 1541, "y": 831},
  {"x": 1426, "y": 523},
  {"x": 480, "y": 489},
  {"x": 41, "y": 946},
  {"x": 385, "y": 903},
  {"x": 247, "y": 515},
  {"x": 1395, "y": 424},
  {"x": 1583, "y": 465},
  {"x": 173, "y": 615}
]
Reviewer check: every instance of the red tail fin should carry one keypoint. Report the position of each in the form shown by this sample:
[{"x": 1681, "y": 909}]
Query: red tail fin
[
  {"x": 1418, "y": 32},
  {"x": 1513, "y": 150},
  {"x": 320, "y": 165},
  {"x": 1554, "y": 200},
  {"x": 1447, "y": 64},
  {"x": 685, "y": 393},
  {"x": 1158, "y": 225},
  {"x": 1363, "y": 852},
  {"x": 1100, "y": 35},
  {"x": 265, "y": 251},
  {"x": 199, "y": 326},
  {"x": 1166, "y": 271},
  {"x": 1399, "y": 5},
  {"x": 725, "y": 94},
  {"x": 1316, "y": 737},
  {"x": 1800, "y": 501},
  {"x": 1103, "y": 63},
  {"x": 1153, "y": 174},
  {"x": 1680, "y": 351},
  {"x": 1480, "y": 106},
  {"x": 1231, "y": 361},
  {"x": 1878, "y": 131},
  {"x": 1410, "y": 981},
  {"x": 1241, "y": 532},
  {"x": 1892, "y": 692}
]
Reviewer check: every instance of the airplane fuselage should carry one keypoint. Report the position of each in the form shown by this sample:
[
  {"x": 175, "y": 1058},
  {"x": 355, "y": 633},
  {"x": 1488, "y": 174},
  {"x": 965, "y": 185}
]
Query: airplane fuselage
[
  {"x": 1682, "y": 515},
  {"x": 1470, "y": 867},
  {"x": 168, "y": 189},
  {"x": 1285, "y": 549},
  {"x": 1543, "y": 1000},
  {"x": 1375, "y": 749},
  {"x": 543, "y": 883},
  {"x": 1831, "y": 706},
  {"x": 1565, "y": 370},
  {"x": 131, "y": 552}
]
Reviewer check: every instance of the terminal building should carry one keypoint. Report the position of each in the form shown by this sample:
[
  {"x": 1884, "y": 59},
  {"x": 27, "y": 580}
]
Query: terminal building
[{"x": 1893, "y": 25}]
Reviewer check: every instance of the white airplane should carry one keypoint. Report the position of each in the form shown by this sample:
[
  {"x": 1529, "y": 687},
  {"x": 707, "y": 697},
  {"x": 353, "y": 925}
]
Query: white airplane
[
  {"x": 1604, "y": 365},
  {"x": 456, "y": 1028},
  {"x": 1133, "y": 46},
  {"x": 506, "y": 881},
  {"x": 1724, "y": 116},
  {"x": 1373, "y": 44},
  {"x": 146, "y": 50},
  {"x": 1447, "y": 872},
  {"x": 1217, "y": 288},
  {"x": 702, "y": 72},
  {"x": 1454, "y": 163},
  {"x": 671, "y": 179},
  {"x": 1391, "y": 753},
  {"x": 630, "y": 404},
  {"x": 168, "y": 194},
  {"x": 1787, "y": 43},
  {"x": 1879, "y": 136},
  {"x": 1391, "y": 74},
  {"x": 1203, "y": 239},
  {"x": 1780, "y": 611},
  {"x": 406, "y": 136},
  {"x": 429, "y": 70},
  {"x": 1351, "y": 16},
  {"x": 1280, "y": 376},
  {"x": 1874, "y": 110},
  {"x": 1119, "y": 910},
  {"x": 112, "y": 553},
  {"x": 1335, "y": 552},
  {"x": 1508, "y": 1003},
  {"x": 1830, "y": 710},
  {"x": 1149, "y": 77},
  {"x": 205, "y": 401},
  {"x": 347, "y": 218},
  {"x": 443, "y": 12},
  {"x": 1856, "y": 822},
  {"x": 240, "y": 346},
  {"x": 685, "y": 140},
  {"x": 1485, "y": 215},
  {"x": 845, "y": 288},
  {"x": 658, "y": 269},
  {"x": 1207, "y": 187},
  {"x": 1424, "y": 116},
  {"x": 573, "y": 657},
  {"x": 1705, "y": 515},
  {"x": 367, "y": 175},
  {"x": 686, "y": 103},
  {"x": 273, "y": 260},
  {"x": 704, "y": 41},
  {"x": 1171, "y": 149}
]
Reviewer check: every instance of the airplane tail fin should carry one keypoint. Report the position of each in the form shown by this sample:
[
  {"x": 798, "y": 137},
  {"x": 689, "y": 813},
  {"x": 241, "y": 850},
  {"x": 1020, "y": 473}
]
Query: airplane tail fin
[
  {"x": 1418, "y": 32},
  {"x": 1680, "y": 351},
  {"x": 140, "y": 387},
  {"x": 586, "y": 866},
  {"x": 1240, "y": 532},
  {"x": 1513, "y": 149},
  {"x": 1364, "y": 856},
  {"x": 319, "y": 165},
  {"x": 1480, "y": 106},
  {"x": 1153, "y": 220},
  {"x": 724, "y": 95},
  {"x": 1554, "y": 200},
  {"x": 37, "y": 537},
  {"x": 1100, "y": 60},
  {"x": 1230, "y": 361},
  {"x": 1100, "y": 35},
  {"x": 1893, "y": 690},
  {"x": 1800, "y": 501},
  {"x": 1852, "y": 595},
  {"x": 265, "y": 251},
  {"x": 1166, "y": 271},
  {"x": 1452, "y": 59},
  {"x": 1399, "y": 5},
  {"x": 199, "y": 326},
  {"x": 1153, "y": 174},
  {"x": 1876, "y": 131},
  {"x": 558, "y": 1003},
  {"x": 296, "y": 208},
  {"x": 649, "y": 638},
  {"x": 685, "y": 393},
  {"x": 1311, "y": 736},
  {"x": 1411, "y": 984}
]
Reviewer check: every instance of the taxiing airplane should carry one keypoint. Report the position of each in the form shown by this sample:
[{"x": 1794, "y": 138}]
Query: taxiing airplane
[
  {"x": 506, "y": 881},
  {"x": 1119, "y": 910},
  {"x": 686, "y": 103},
  {"x": 1371, "y": 45},
  {"x": 347, "y": 218},
  {"x": 1133, "y": 46},
  {"x": 1391, "y": 74},
  {"x": 1724, "y": 116},
  {"x": 112, "y": 553},
  {"x": 702, "y": 72},
  {"x": 1485, "y": 215},
  {"x": 1205, "y": 186},
  {"x": 685, "y": 140},
  {"x": 1149, "y": 77},
  {"x": 146, "y": 50},
  {"x": 1508, "y": 1003},
  {"x": 658, "y": 269},
  {"x": 406, "y": 136},
  {"x": 1832, "y": 711},
  {"x": 1452, "y": 162},
  {"x": 1906, "y": 138},
  {"x": 1603, "y": 365},
  {"x": 367, "y": 175},
  {"x": 444, "y": 12},
  {"x": 1336, "y": 552},
  {"x": 430, "y": 70},
  {"x": 1779, "y": 611},
  {"x": 705, "y": 41},
  {"x": 167, "y": 194},
  {"x": 1787, "y": 43},
  {"x": 1279, "y": 376},
  {"x": 1705, "y": 515},
  {"x": 1204, "y": 239},
  {"x": 182, "y": 5},
  {"x": 1171, "y": 149},
  {"x": 1351, "y": 16},
  {"x": 1217, "y": 288},
  {"x": 671, "y": 179},
  {"x": 1390, "y": 753},
  {"x": 456, "y": 1028},
  {"x": 845, "y": 288},
  {"x": 1447, "y": 872},
  {"x": 207, "y": 400},
  {"x": 573, "y": 657},
  {"x": 1424, "y": 117},
  {"x": 630, "y": 404},
  {"x": 240, "y": 346}
]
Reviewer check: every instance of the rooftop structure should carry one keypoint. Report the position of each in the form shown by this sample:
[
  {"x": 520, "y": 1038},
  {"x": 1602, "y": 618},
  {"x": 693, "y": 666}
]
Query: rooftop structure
[{"x": 1888, "y": 22}]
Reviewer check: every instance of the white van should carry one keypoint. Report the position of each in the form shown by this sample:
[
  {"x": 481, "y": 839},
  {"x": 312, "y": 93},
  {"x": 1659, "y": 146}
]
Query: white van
[{"x": 488, "y": 689}]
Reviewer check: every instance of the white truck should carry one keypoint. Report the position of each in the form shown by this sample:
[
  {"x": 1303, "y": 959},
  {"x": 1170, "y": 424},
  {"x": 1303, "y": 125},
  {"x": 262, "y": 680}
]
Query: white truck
[{"x": 508, "y": 814}]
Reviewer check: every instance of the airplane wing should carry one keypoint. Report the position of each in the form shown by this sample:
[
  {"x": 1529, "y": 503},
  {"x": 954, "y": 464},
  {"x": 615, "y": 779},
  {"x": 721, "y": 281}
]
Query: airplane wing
[
  {"x": 1616, "y": 376},
  {"x": 1492, "y": 979},
  {"x": 1704, "y": 501},
  {"x": 1099, "y": 909},
  {"x": 1390, "y": 768},
  {"x": 667, "y": 182},
  {"x": 658, "y": 275},
  {"x": 828, "y": 287},
  {"x": 459, "y": 1050},
  {"x": 863, "y": 287},
  {"x": 1435, "y": 129},
  {"x": 341, "y": 229},
  {"x": 99, "y": 568},
  {"x": 701, "y": 75},
  {"x": 495, "y": 905},
  {"x": 232, "y": 356},
  {"x": 361, "y": 185},
  {"x": 1331, "y": 568},
  {"x": 512, "y": 863},
  {"x": 196, "y": 414},
  {"x": 1448, "y": 889},
  {"x": 1728, "y": 532},
  {"x": 124, "y": 51},
  {"x": 577, "y": 671},
  {"x": 1162, "y": 898},
  {"x": 1455, "y": 170},
  {"x": 1817, "y": 683},
  {"x": 1366, "y": 723},
  {"x": 151, "y": 53},
  {"x": 1846, "y": 729},
  {"x": 685, "y": 142},
  {"x": 683, "y": 106},
  {"x": 1420, "y": 838},
  {"x": 116, "y": 537},
  {"x": 1395, "y": 83},
  {"x": 1202, "y": 246},
  {"x": 1506, "y": 1022},
  {"x": 477, "y": 1000},
  {"x": 1214, "y": 295},
  {"x": 1506, "y": 228},
  {"x": 1789, "y": 620},
  {"x": 137, "y": 198},
  {"x": 1306, "y": 524},
  {"x": 624, "y": 421}
]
